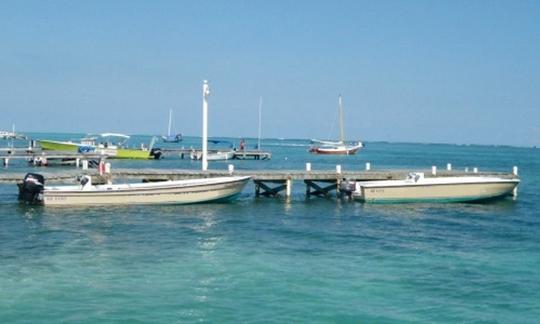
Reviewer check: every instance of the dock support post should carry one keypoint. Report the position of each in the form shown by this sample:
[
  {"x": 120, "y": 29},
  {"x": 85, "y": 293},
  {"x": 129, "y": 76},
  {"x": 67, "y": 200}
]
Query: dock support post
[
  {"x": 308, "y": 166},
  {"x": 289, "y": 187},
  {"x": 449, "y": 166},
  {"x": 77, "y": 162},
  {"x": 338, "y": 168},
  {"x": 368, "y": 166},
  {"x": 434, "y": 170},
  {"x": 515, "y": 170},
  {"x": 107, "y": 167},
  {"x": 231, "y": 168},
  {"x": 475, "y": 170},
  {"x": 6, "y": 162},
  {"x": 85, "y": 164}
]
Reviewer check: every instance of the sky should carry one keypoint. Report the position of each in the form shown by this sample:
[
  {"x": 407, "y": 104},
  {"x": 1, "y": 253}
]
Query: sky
[{"x": 464, "y": 72}]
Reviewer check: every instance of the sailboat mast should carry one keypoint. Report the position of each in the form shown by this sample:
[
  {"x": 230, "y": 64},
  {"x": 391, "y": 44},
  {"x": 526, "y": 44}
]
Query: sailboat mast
[
  {"x": 170, "y": 121},
  {"x": 260, "y": 117},
  {"x": 341, "y": 131}
]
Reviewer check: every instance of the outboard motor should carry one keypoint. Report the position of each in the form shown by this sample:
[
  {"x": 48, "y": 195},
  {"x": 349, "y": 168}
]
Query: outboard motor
[
  {"x": 347, "y": 187},
  {"x": 30, "y": 190},
  {"x": 156, "y": 153}
]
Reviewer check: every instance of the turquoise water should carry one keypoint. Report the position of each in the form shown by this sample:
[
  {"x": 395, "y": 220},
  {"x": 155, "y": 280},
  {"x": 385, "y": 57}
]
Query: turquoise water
[{"x": 274, "y": 260}]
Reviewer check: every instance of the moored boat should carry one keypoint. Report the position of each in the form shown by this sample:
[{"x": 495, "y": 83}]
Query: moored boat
[
  {"x": 336, "y": 147},
  {"x": 110, "y": 144},
  {"x": 171, "y": 138},
  {"x": 33, "y": 190},
  {"x": 417, "y": 188},
  {"x": 341, "y": 149}
]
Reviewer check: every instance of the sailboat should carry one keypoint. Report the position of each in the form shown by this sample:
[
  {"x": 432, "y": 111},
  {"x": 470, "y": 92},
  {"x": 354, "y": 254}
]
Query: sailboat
[
  {"x": 336, "y": 147},
  {"x": 171, "y": 138}
]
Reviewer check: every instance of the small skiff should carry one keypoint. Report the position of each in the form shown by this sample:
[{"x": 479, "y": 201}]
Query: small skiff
[
  {"x": 417, "y": 188},
  {"x": 33, "y": 190}
]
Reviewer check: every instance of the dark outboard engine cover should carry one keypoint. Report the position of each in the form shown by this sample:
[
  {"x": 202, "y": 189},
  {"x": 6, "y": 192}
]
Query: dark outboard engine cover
[
  {"x": 156, "y": 153},
  {"x": 347, "y": 187},
  {"x": 31, "y": 188}
]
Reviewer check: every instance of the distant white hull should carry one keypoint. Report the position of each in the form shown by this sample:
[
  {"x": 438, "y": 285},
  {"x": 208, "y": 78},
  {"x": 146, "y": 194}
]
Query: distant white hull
[
  {"x": 166, "y": 192},
  {"x": 443, "y": 189},
  {"x": 214, "y": 156},
  {"x": 337, "y": 149}
]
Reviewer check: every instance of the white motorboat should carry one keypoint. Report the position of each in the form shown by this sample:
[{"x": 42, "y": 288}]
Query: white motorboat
[
  {"x": 417, "y": 188},
  {"x": 188, "y": 191},
  {"x": 213, "y": 155}
]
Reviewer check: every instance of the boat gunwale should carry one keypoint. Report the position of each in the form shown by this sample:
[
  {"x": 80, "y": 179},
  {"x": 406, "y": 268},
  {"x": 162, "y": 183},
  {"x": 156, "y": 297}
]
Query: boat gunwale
[
  {"x": 171, "y": 184},
  {"x": 376, "y": 184}
]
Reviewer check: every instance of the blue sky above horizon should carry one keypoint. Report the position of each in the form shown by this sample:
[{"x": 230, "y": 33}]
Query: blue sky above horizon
[{"x": 409, "y": 71}]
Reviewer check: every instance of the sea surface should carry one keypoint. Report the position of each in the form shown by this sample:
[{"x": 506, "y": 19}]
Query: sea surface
[{"x": 277, "y": 260}]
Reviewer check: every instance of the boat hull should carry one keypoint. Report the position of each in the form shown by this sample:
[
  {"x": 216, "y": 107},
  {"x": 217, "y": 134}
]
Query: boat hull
[
  {"x": 131, "y": 154},
  {"x": 320, "y": 150},
  {"x": 449, "y": 192},
  {"x": 58, "y": 146},
  {"x": 167, "y": 192},
  {"x": 214, "y": 156},
  {"x": 113, "y": 153}
]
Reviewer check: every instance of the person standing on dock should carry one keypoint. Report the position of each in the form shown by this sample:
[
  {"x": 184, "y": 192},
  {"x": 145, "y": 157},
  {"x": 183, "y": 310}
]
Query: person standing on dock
[{"x": 242, "y": 145}]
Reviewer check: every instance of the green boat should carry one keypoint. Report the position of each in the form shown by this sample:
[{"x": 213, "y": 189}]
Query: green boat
[{"x": 110, "y": 144}]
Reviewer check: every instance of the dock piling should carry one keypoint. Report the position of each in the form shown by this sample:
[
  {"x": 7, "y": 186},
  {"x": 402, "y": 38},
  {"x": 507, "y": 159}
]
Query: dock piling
[
  {"x": 368, "y": 166},
  {"x": 308, "y": 166},
  {"x": 515, "y": 170},
  {"x": 449, "y": 166},
  {"x": 475, "y": 170},
  {"x": 338, "y": 168},
  {"x": 231, "y": 168},
  {"x": 85, "y": 164},
  {"x": 6, "y": 162},
  {"x": 434, "y": 170},
  {"x": 289, "y": 187}
]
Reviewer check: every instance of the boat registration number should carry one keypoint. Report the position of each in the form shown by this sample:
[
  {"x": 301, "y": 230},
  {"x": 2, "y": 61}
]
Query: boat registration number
[{"x": 55, "y": 198}]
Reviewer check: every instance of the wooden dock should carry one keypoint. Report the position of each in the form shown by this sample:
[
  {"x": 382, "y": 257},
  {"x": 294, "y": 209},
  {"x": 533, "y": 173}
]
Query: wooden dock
[
  {"x": 267, "y": 182},
  {"x": 42, "y": 158},
  {"x": 184, "y": 153}
]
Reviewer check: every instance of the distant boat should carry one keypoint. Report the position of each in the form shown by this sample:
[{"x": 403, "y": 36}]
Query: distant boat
[
  {"x": 111, "y": 144},
  {"x": 336, "y": 147},
  {"x": 171, "y": 138},
  {"x": 417, "y": 188},
  {"x": 11, "y": 135},
  {"x": 33, "y": 190},
  {"x": 216, "y": 154}
]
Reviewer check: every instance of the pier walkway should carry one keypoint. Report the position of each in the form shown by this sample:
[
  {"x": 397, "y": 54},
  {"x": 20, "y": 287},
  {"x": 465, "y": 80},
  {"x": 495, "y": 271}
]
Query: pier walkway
[{"x": 267, "y": 182}]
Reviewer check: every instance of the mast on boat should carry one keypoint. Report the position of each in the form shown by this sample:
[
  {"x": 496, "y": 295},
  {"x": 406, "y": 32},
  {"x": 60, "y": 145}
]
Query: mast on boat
[
  {"x": 170, "y": 122},
  {"x": 341, "y": 131},
  {"x": 206, "y": 94},
  {"x": 260, "y": 115}
]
